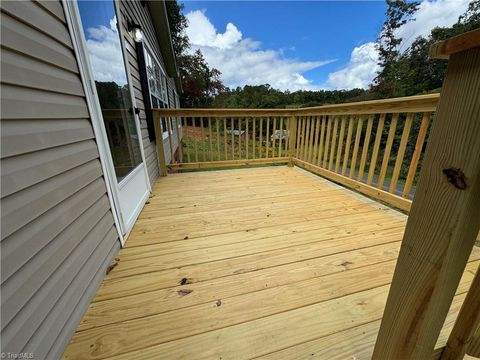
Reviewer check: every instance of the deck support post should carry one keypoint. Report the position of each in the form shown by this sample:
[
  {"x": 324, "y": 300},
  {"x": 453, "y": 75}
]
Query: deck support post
[
  {"x": 159, "y": 142},
  {"x": 292, "y": 133},
  {"x": 445, "y": 215}
]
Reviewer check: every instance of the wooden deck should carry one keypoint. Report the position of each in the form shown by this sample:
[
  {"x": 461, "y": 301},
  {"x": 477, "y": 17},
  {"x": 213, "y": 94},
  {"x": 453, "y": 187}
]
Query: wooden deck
[{"x": 270, "y": 263}]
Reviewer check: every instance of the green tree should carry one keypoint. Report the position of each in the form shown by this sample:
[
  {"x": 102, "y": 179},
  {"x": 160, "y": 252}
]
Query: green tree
[
  {"x": 399, "y": 12},
  {"x": 200, "y": 82},
  {"x": 177, "y": 23},
  {"x": 417, "y": 72},
  {"x": 413, "y": 71},
  {"x": 265, "y": 96}
]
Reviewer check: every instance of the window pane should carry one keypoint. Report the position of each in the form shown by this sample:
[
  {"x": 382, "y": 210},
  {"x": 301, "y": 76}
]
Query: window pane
[
  {"x": 103, "y": 42},
  {"x": 155, "y": 104}
]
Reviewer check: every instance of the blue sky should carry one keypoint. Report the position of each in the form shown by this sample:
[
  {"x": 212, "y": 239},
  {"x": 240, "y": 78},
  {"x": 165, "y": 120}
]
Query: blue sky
[
  {"x": 302, "y": 44},
  {"x": 306, "y": 30},
  {"x": 288, "y": 44}
]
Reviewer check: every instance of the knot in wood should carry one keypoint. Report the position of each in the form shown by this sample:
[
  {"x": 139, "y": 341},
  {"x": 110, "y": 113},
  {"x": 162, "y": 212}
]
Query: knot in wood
[{"x": 456, "y": 177}]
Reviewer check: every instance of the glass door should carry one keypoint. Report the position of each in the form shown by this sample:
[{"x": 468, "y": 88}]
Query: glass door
[{"x": 103, "y": 50}]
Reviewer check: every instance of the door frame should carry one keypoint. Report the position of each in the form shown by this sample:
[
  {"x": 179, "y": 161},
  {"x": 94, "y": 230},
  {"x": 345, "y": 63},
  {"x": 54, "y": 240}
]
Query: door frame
[{"x": 75, "y": 27}]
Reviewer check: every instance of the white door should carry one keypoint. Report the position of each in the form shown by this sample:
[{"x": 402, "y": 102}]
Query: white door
[{"x": 101, "y": 55}]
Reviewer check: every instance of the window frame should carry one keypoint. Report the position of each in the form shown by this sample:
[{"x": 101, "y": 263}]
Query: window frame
[{"x": 149, "y": 54}]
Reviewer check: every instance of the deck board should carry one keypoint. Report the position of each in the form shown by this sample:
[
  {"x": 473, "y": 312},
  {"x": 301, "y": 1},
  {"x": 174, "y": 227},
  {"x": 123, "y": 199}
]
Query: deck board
[{"x": 279, "y": 264}]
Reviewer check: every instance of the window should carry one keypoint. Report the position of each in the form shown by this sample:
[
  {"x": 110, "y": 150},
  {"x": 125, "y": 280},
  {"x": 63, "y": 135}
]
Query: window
[{"x": 157, "y": 85}]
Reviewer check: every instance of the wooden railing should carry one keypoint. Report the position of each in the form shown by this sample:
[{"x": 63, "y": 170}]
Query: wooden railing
[
  {"x": 374, "y": 147},
  {"x": 222, "y": 137},
  {"x": 364, "y": 145}
]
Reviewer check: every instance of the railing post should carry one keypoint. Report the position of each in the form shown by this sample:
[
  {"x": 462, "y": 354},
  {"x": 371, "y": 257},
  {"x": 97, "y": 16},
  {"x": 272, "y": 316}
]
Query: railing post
[
  {"x": 445, "y": 215},
  {"x": 159, "y": 142},
  {"x": 292, "y": 132}
]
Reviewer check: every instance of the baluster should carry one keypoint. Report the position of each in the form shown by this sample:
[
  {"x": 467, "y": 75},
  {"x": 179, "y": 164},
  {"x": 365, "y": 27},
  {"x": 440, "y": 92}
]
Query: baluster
[
  {"x": 274, "y": 134},
  {"x": 340, "y": 142},
  {"x": 376, "y": 147},
  {"x": 351, "y": 121},
  {"x": 210, "y": 136},
  {"x": 334, "y": 142},
  {"x": 218, "y": 137},
  {"x": 322, "y": 134},
  {"x": 401, "y": 152},
  {"x": 287, "y": 136},
  {"x": 240, "y": 150},
  {"x": 253, "y": 138},
  {"x": 310, "y": 141},
  {"x": 187, "y": 138},
  {"x": 232, "y": 125},
  {"x": 204, "y": 155},
  {"x": 246, "y": 137},
  {"x": 281, "y": 136},
  {"x": 268, "y": 136},
  {"x": 307, "y": 135},
  {"x": 225, "y": 141},
  {"x": 366, "y": 145},
  {"x": 260, "y": 143},
  {"x": 315, "y": 141},
  {"x": 356, "y": 145},
  {"x": 388, "y": 148},
  {"x": 416, "y": 154},
  {"x": 300, "y": 127},
  {"x": 194, "y": 120},
  {"x": 327, "y": 142}
]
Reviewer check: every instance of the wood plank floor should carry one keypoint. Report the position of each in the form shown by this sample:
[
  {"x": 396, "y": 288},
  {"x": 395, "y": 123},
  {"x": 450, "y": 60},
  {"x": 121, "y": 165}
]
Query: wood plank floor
[{"x": 270, "y": 263}]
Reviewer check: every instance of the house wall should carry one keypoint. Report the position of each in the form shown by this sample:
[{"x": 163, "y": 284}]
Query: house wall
[
  {"x": 135, "y": 11},
  {"x": 57, "y": 229}
]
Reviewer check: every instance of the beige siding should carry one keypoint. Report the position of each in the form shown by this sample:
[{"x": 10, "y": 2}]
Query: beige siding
[
  {"x": 57, "y": 233},
  {"x": 134, "y": 10}
]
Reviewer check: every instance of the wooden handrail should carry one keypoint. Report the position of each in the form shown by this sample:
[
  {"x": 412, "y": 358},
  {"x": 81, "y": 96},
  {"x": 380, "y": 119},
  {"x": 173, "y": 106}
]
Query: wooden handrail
[
  {"x": 443, "y": 49},
  {"x": 198, "y": 112},
  {"x": 419, "y": 103}
]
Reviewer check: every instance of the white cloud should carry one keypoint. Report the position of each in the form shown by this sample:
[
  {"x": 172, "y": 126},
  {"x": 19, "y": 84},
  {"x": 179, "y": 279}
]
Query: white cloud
[
  {"x": 360, "y": 70},
  {"x": 430, "y": 14},
  {"x": 241, "y": 61},
  {"x": 103, "y": 45},
  {"x": 362, "y": 67}
]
